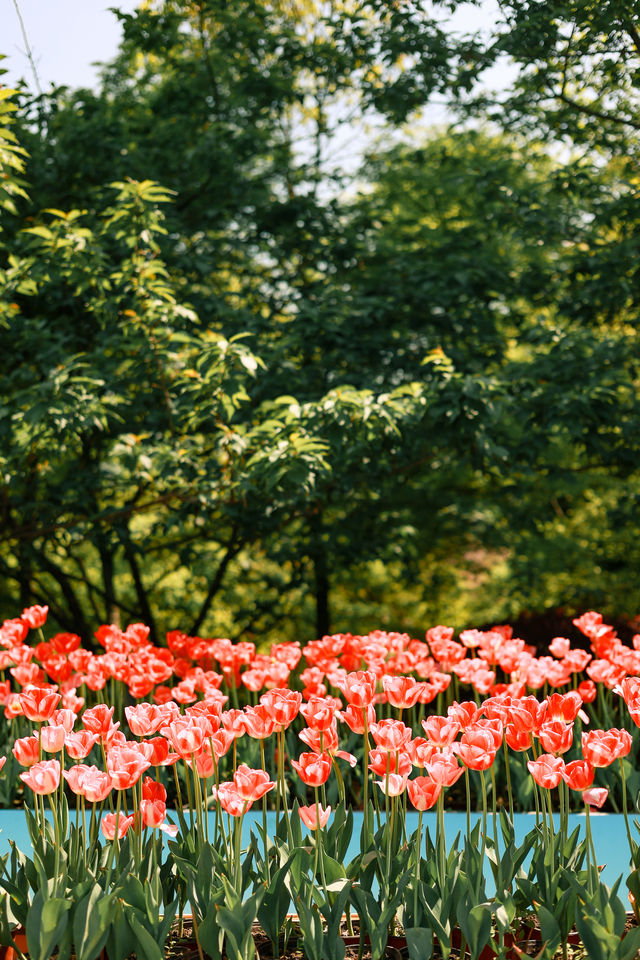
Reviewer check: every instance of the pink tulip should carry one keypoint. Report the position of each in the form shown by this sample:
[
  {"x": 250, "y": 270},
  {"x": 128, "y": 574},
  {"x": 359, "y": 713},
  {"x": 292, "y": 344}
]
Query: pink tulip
[{"x": 43, "y": 777}]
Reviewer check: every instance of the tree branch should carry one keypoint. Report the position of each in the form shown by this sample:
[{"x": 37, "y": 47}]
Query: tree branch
[
  {"x": 597, "y": 114},
  {"x": 232, "y": 550},
  {"x": 141, "y": 593}
]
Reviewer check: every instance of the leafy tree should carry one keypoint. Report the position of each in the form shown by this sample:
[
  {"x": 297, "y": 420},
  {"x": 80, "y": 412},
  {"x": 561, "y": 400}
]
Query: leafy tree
[{"x": 438, "y": 392}]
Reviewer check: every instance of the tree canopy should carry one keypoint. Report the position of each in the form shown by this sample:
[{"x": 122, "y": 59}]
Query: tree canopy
[{"x": 254, "y": 393}]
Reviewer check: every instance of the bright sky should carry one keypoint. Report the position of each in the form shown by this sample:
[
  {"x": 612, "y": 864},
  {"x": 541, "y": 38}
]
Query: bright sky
[{"x": 66, "y": 37}]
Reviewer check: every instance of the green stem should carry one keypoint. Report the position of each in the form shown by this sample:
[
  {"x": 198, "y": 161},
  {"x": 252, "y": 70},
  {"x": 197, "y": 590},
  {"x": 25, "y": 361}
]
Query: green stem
[
  {"x": 417, "y": 871},
  {"x": 625, "y": 810},
  {"x": 483, "y": 845},
  {"x": 509, "y": 788}
]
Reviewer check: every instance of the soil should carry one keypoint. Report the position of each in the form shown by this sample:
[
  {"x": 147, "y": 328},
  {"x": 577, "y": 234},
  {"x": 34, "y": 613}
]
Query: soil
[
  {"x": 527, "y": 944},
  {"x": 181, "y": 945}
]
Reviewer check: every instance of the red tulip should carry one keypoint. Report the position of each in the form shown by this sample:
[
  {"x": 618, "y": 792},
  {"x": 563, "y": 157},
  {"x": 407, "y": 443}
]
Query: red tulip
[
  {"x": 578, "y": 775},
  {"x": 27, "y": 751},
  {"x": 402, "y": 692},
  {"x": 79, "y": 745},
  {"x": 391, "y": 735},
  {"x": 313, "y": 769},
  {"x": 52, "y": 738},
  {"x": 444, "y": 769},
  {"x": 556, "y": 736},
  {"x": 423, "y": 792},
  {"x": 125, "y": 766},
  {"x": 252, "y": 784},
  {"x": 441, "y": 731},
  {"x": 43, "y": 777},
  {"x": 602, "y": 747},
  {"x": 546, "y": 770},
  {"x": 35, "y": 616},
  {"x": 38, "y": 703},
  {"x": 314, "y": 816},
  {"x": 596, "y": 796},
  {"x": 108, "y": 825}
]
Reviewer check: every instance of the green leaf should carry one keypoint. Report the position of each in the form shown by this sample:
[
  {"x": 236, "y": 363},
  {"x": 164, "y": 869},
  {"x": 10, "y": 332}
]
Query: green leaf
[
  {"x": 419, "y": 942},
  {"x": 46, "y": 923},
  {"x": 91, "y": 921}
]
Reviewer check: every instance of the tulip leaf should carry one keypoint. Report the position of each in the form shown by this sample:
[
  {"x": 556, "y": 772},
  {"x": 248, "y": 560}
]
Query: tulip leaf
[
  {"x": 91, "y": 922},
  {"x": 46, "y": 922},
  {"x": 419, "y": 942},
  {"x": 146, "y": 947}
]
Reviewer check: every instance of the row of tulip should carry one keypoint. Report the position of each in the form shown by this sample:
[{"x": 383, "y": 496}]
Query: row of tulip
[{"x": 73, "y": 752}]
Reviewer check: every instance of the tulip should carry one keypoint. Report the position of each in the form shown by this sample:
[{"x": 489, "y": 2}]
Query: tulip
[
  {"x": 152, "y": 812},
  {"x": 381, "y": 762},
  {"x": 144, "y": 719},
  {"x": 596, "y": 796},
  {"x": 108, "y": 825},
  {"x": 43, "y": 777},
  {"x": 314, "y": 816},
  {"x": 35, "y": 616},
  {"x": 96, "y": 785},
  {"x": 125, "y": 766},
  {"x": 402, "y": 692},
  {"x": 230, "y": 800},
  {"x": 320, "y": 713},
  {"x": 185, "y": 736},
  {"x": 283, "y": 705},
  {"x": 26, "y": 751},
  {"x": 79, "y": 745},
  {"x": 259, "y": 722},
  {"x": 578, "y": 775},
  {"x": 391, "y": 735},
  {"x": 354, "y": 717},
  {"x": 38, "y": 703},
  {"x": 423, "y": 792},
  {"x": 474, "y": 756},
  {"x": 252, "y": 784},
  {"x": 546, "y": 770},
  {"x": 359, "y": 688},
  {"x": 75, "y": 777},
  {"x": 602, "y": 747},
  {"x": 393, "y": 784},
  {"x": 52, "y": 738},
  {"x": 556, "y": 736},
  {"x": 444, "y": 769},
  {"x": 99, "y": 720},
  {"x": 441, "y": 731},
  {"x": 313, "y": 769}
]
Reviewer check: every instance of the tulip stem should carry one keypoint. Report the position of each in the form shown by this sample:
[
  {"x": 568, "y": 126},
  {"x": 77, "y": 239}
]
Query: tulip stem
[
  {"x": 57, "y": 840},
  {"x": 283, "y": 785},
  {"x": 189, "y": 794},
  {"x": 625, "y": 810},
  {"x": 494, "y": 802},
  {"x": 417, "y": 873},
  {"x": 468, "y": 792},
  {"x": 115, "y": 843},
  {"x": 441, "y": 840},
  {"x": 367, "y": 828},
  {"x": 319, "y": 854},
  {"x": 509, "y": 788},
  {"x": 483, "y": 845}
]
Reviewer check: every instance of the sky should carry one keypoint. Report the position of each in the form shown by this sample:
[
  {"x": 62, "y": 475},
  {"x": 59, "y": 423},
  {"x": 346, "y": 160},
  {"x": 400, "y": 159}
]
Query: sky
[{"x": 66, "y": 37}]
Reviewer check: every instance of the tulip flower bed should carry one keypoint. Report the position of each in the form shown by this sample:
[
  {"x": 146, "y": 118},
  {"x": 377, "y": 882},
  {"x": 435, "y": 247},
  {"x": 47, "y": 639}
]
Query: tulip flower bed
[{"x": 137, "y": 766}]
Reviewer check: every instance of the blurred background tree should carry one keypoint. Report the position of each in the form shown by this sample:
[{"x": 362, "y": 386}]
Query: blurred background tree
[{"x": 281, "y": 395}]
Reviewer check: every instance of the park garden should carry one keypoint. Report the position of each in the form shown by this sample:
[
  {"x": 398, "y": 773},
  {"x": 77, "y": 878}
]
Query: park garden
[{"x": 320, "y": 436}]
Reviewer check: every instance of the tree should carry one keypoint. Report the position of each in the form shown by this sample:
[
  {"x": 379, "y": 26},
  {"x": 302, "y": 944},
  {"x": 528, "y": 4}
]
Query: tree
[{"x": 430, "y": 374}]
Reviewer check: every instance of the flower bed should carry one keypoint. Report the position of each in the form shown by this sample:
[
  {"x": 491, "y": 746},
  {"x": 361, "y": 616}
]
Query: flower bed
[{"x": 386, "y": 723}]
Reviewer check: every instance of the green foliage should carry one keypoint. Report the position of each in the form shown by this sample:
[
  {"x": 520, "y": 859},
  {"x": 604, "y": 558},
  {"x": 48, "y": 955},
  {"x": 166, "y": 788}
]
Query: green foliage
[{"x": 245, "y": 400}]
